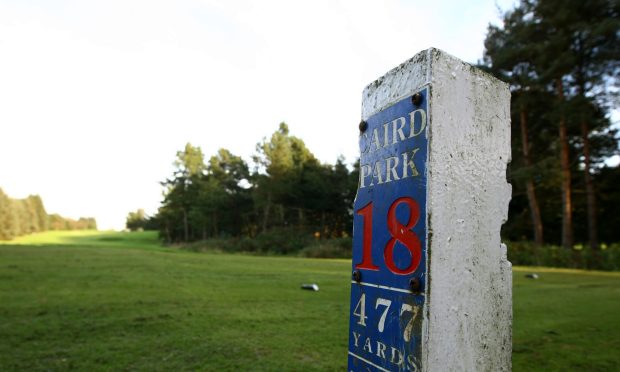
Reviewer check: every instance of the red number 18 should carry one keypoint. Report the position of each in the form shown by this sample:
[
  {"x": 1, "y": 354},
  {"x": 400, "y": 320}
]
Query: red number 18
[{"x": 398, "y": 232}]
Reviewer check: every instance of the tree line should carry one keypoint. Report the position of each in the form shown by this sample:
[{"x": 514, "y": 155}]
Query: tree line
[
  {"x": 561, "y": 59},
  {"x": 26, "y": 216},
  {"x": 286, "y": 188}
]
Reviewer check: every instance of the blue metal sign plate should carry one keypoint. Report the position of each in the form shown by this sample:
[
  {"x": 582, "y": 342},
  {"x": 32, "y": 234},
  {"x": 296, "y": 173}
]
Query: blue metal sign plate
[{"x": 389, "y": 240}]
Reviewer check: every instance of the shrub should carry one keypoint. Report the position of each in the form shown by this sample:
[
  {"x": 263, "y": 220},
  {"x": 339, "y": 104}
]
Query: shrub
[
  {"x": 283, "y": 240},
  {"x": 528, "y": 254},
  {"x": 277, "y": 241},
  {"x": 293, "y": 241},
  {"x": 331, "y": 248}
]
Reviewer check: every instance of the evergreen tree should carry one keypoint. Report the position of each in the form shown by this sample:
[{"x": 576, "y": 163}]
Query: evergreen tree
[
  {"x": 8, "y": 228},
  {"x": 229, "y": 198},
  {"x": 282, "y": 159},
  {"x": 508, "y": 57},
  {"x": 568, "y": 50},
  {"x": 38, "y": 213},
  {"x": 190, "y": 166},
  {"x": 136, "y": 220}
]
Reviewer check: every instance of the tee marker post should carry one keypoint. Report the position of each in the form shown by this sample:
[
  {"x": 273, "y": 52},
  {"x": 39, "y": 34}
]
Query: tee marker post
[{"x": 431, "y": 287}]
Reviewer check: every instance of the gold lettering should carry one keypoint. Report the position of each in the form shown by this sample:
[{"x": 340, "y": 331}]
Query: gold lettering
[
  {"x": 364, "y": 172},
  {"x": 412, "y": 132},
  {"x": 364, "y": 139},
  {"x": 375, "y": 139},
  {"x": 401, "y": 124},
  {"x": 391, "y": 164},
  {"x": 376, "y": 173},
  {"x": 367, "y": 345},
  {"x": 411, "y": 361},
  {"x": 380, "y": 350},
  {"x": 385, "y": 135},
  {"x": 356, "y": 337},
  {"x": 395, "y": 352},
  {"x": 409, "y": 164}
]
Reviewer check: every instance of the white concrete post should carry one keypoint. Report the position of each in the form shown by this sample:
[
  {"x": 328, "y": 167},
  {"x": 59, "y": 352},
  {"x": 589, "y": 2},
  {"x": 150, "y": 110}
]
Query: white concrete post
[{"x": 468, "y": 295}]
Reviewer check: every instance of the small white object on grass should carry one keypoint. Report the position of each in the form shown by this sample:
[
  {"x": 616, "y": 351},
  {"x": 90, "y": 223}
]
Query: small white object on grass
[
  {"x": 531, "y": 276},
  {"x": 310, "y": 287}
]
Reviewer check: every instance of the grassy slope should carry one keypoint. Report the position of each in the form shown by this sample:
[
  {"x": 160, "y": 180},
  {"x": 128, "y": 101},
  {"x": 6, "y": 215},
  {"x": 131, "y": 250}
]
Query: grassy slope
[{"x": 72, "y": 304}]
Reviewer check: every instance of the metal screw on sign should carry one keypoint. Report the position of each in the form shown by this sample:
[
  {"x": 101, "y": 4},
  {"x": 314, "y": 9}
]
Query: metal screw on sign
[
  {"x": 416, "y": 99},
  {"x": 415, "y": 286},
  {"x": 357, "y": 276},
  {"x": 363, "y": 126}
]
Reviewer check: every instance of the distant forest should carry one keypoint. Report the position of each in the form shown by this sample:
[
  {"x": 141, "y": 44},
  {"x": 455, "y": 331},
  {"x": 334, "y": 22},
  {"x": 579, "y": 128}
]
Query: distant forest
[
  {"x": 26, "y": 216},
  {"x": 287, "y": 188},
  {"x": 561, "y": 59}
]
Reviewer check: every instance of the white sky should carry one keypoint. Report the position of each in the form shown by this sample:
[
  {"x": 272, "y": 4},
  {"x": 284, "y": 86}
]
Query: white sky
[{"x": 97, "y": 97}]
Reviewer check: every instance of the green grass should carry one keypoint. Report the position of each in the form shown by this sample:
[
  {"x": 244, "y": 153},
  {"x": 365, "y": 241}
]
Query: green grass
[
  {"x": 90, "y": 238},
  {"x": 568, "y": 320},
  {"x": 120, "y": 301}
]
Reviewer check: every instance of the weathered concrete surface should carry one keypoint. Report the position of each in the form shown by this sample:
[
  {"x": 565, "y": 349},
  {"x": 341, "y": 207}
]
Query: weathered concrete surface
[{"x": 468, "y": 316}]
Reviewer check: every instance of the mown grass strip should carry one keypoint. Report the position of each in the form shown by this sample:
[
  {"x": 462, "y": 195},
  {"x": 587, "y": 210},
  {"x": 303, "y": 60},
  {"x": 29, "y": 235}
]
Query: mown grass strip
[{"x": 121, "y": 301}]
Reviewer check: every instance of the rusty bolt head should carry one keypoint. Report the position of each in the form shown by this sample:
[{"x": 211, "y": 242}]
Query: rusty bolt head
[
  {"x": 416, "y": 99},
  {"x": 363, "y": 126},
  {"x": 415, "y": 286},
  {"x": 357, "y": 275}
]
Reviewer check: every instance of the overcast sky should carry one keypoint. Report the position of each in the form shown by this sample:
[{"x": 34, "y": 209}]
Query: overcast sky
[{"x": 97, "y": 97}]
